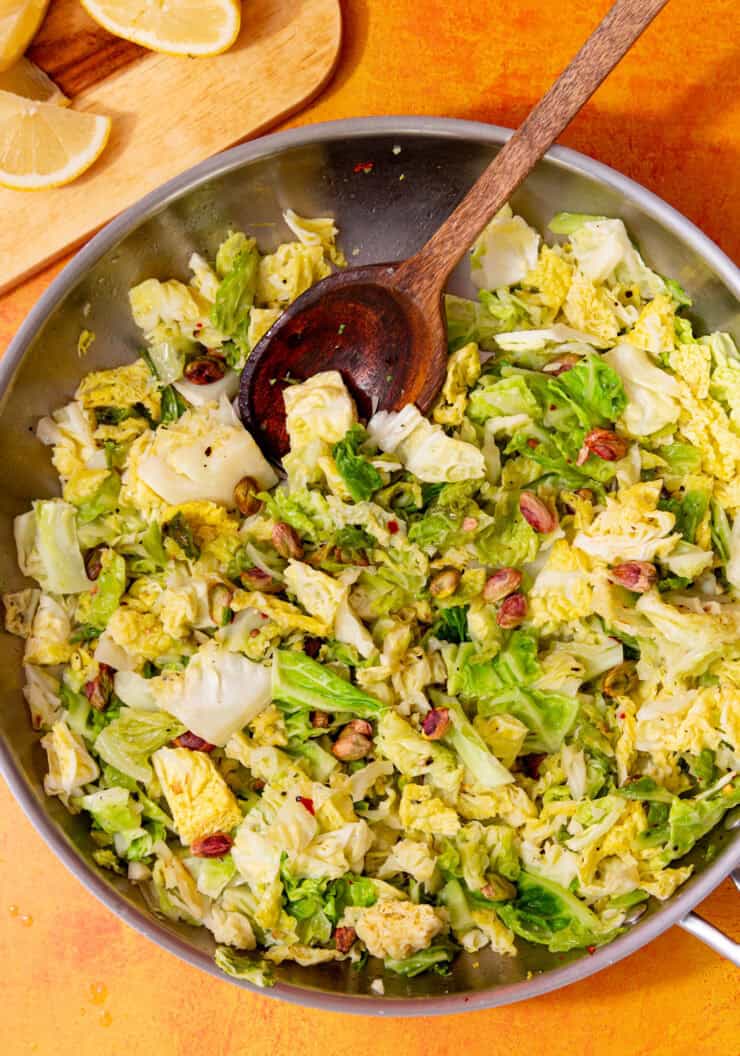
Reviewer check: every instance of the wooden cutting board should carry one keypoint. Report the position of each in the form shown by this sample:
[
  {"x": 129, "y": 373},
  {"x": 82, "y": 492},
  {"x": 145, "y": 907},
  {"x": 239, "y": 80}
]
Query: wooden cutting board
[{"x": 168, "y": 113}]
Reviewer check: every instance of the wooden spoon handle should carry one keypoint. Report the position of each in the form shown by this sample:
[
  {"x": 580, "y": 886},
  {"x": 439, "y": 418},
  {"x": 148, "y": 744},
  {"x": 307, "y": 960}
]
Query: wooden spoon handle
[{"x": 428, "y": 270}]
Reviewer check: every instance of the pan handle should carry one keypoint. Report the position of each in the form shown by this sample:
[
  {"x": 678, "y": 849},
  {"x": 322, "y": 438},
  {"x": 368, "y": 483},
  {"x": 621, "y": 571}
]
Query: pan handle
[{"x": 712, "y": 936}]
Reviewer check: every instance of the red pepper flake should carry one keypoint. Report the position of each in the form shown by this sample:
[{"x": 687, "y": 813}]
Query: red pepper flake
[
  {"x": 307, "y": 803},
  {"x": 532, "y": 442},
  {"x": 622, "y": 715},
  {"x": 591, "y": 950},
  {"x": 253, "y": 633},
  {"x": 393, "y": 527},
  {"x": 364, "y": 166}
]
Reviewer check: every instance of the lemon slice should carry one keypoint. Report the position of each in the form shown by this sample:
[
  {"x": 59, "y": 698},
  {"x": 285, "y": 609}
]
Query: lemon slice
[
  {"x": 28, "y": 80},
  {"x": 19, "y": 20},
  {"x": 178, "y": 27},
  {"x": 43, "y": 145}
]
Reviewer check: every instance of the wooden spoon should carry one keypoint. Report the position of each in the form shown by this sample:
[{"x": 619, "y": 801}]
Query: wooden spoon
[{"x": 382, "y": 326}]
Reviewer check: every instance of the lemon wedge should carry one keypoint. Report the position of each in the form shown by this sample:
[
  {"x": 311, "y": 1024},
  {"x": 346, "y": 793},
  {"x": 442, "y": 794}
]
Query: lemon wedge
[
  {"x": 43, "y": 145},
  {"x": 177, "y": 27},
  {"x": 19, "y": 20},
  {"x": 28, "y": 80}
]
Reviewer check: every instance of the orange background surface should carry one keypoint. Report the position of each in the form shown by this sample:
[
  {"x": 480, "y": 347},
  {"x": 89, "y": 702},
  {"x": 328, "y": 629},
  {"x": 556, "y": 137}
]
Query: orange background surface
[{"x": 75, "y": 980}]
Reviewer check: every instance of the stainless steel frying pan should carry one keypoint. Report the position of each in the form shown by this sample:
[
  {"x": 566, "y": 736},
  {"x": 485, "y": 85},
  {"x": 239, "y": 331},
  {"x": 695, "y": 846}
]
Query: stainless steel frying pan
[{"x": 383, "y": 214}]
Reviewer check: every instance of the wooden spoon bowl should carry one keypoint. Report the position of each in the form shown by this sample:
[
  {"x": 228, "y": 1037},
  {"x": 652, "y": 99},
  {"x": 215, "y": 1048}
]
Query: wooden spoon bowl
[{"x": 389, "y": 350}]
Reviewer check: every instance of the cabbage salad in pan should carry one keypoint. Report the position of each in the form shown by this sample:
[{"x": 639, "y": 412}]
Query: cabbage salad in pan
[{"x": 457, "y": 681}]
